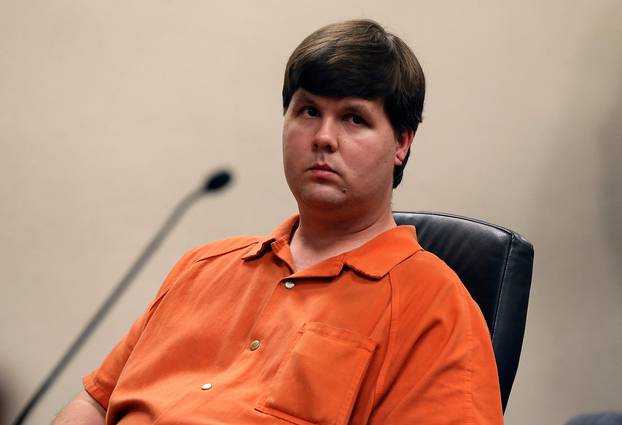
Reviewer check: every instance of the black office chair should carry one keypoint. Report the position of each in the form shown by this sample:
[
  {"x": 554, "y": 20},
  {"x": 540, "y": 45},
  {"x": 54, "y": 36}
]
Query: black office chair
[
  {"x": 495, "y": 265},
  {"x": 602, "y": 418}
]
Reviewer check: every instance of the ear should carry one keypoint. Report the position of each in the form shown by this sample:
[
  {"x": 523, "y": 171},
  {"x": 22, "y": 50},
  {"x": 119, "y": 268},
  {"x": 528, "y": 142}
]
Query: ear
[{"x": 402, "y": 145}]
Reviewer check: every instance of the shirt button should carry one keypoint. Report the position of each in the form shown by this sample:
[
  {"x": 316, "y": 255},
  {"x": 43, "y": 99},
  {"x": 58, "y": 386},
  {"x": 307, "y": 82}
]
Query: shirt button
[
  {"x": 255, "y": 345},
  {"x": 206, "y": 387},
  {"x": 289, "y": 284}
]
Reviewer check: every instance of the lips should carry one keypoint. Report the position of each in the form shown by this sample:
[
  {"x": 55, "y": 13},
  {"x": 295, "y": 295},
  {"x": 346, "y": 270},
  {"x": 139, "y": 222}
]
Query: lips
[
  {"x": 321, "y": 166},
  {"x": 322, "y": 170}
]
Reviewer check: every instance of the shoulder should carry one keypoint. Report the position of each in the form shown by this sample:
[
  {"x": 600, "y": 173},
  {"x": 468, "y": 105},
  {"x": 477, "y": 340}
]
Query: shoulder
[
  {"x": 430, "y": 299},
  {"x": 236, "y": 246},
  {"x": 184, "y": 267},
  {"x": 424, "y": 270},
  {"x": 426, "y": 281},
  {"x": 239, "y": 244}
]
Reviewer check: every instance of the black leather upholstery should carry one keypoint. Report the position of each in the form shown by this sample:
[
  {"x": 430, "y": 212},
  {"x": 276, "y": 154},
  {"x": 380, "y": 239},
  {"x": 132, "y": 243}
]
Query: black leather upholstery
[{"x": 495, "y": 265}]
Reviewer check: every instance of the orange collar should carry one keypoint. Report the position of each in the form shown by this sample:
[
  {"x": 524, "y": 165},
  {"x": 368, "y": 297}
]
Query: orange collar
[{"x": 374, "y": 259}]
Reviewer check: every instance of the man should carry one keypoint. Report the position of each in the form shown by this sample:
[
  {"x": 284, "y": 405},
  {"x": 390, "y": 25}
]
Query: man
[{"x": 339, "y": 317}]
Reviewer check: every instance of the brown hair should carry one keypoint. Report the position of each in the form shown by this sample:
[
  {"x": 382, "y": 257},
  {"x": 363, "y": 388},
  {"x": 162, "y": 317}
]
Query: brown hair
[{"x": 359, "y": 58}]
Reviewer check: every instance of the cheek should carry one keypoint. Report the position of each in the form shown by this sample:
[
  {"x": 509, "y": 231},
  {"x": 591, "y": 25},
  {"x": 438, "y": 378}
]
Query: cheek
[
  {"x": 372, "y": 158},
  {"x": 292, "y": 152},
  {"x": 291, "y": 136},
  {"x": 286, "y": 140}
]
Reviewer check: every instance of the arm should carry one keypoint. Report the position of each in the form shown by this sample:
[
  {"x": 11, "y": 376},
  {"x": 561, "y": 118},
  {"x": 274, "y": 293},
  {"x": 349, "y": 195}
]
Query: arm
[
  {"x": 441, "y": 367},
  {"x": 100, "y": 383},
  {"x": 83, "y": 410}
]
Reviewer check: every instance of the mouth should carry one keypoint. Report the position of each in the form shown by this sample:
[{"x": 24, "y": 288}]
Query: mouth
[{"x": 322, "y": 170}]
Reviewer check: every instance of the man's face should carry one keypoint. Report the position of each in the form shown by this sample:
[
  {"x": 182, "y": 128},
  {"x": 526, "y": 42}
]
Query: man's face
[{"x": 340, "y": 152}]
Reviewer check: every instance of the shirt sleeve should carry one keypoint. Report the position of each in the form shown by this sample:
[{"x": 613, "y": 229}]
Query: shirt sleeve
[
  {"x": 441, "y": 366},
  {"x": 101, "y": 382}
]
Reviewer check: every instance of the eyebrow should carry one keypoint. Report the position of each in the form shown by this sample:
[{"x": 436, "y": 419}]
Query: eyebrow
[
  {"x": 358, "y": 109},
  {"x": 304, "y": 98}
]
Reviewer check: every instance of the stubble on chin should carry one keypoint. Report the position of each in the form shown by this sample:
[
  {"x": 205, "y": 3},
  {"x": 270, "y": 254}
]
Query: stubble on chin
[{"x": 328, "y": 198}]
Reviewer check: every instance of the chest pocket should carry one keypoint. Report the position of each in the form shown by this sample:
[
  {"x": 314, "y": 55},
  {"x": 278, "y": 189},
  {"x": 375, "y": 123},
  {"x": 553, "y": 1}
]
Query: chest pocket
[{"x": 319, "y": 378}]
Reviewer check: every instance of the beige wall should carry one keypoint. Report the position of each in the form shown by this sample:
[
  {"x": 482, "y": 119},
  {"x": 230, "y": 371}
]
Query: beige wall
[{"x": 111, "y": 111}]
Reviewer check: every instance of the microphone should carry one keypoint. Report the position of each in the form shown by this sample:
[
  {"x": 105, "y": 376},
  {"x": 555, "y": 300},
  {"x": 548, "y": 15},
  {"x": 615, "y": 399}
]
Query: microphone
[
  {"x": 217, "y": 181},
  {"x": 214, "y": 182}
]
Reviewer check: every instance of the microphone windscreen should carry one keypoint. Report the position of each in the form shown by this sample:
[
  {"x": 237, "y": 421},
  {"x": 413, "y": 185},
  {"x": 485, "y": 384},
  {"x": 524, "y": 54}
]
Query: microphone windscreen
[{"x": 217, "y": 181}]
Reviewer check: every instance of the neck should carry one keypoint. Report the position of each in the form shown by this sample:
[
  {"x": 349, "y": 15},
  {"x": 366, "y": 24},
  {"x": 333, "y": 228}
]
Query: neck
[{"x": 318, "y": 238}]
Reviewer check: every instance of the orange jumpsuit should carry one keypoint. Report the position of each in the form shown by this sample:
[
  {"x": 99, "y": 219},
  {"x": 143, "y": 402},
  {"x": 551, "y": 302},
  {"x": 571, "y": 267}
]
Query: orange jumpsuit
[{"x": 383, "y": 334}]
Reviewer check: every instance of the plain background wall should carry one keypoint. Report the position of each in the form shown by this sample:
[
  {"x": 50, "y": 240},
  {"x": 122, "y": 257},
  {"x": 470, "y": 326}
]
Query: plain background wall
[{"x": 111, "y": 111}]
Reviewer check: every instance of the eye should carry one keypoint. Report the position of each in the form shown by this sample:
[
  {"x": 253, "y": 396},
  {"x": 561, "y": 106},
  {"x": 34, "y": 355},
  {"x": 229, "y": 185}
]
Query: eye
[
  {"x": 310, "y": 111},
  {"x": 356, "y": 119}
]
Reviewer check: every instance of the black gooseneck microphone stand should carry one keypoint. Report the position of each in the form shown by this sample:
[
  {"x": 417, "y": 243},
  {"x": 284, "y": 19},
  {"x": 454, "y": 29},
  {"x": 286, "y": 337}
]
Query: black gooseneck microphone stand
[{"x": 214, "y": 183}]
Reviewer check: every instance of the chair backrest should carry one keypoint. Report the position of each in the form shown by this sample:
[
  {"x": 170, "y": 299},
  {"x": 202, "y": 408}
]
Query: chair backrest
[{"x": 495, "y": 265}]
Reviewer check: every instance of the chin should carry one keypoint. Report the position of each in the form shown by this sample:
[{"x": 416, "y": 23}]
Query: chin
[{"x": 328, "y": 200}]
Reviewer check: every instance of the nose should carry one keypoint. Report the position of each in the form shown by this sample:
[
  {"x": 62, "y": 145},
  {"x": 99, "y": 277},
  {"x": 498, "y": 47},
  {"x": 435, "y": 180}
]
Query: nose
[{"x": 327, "y": 137}]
